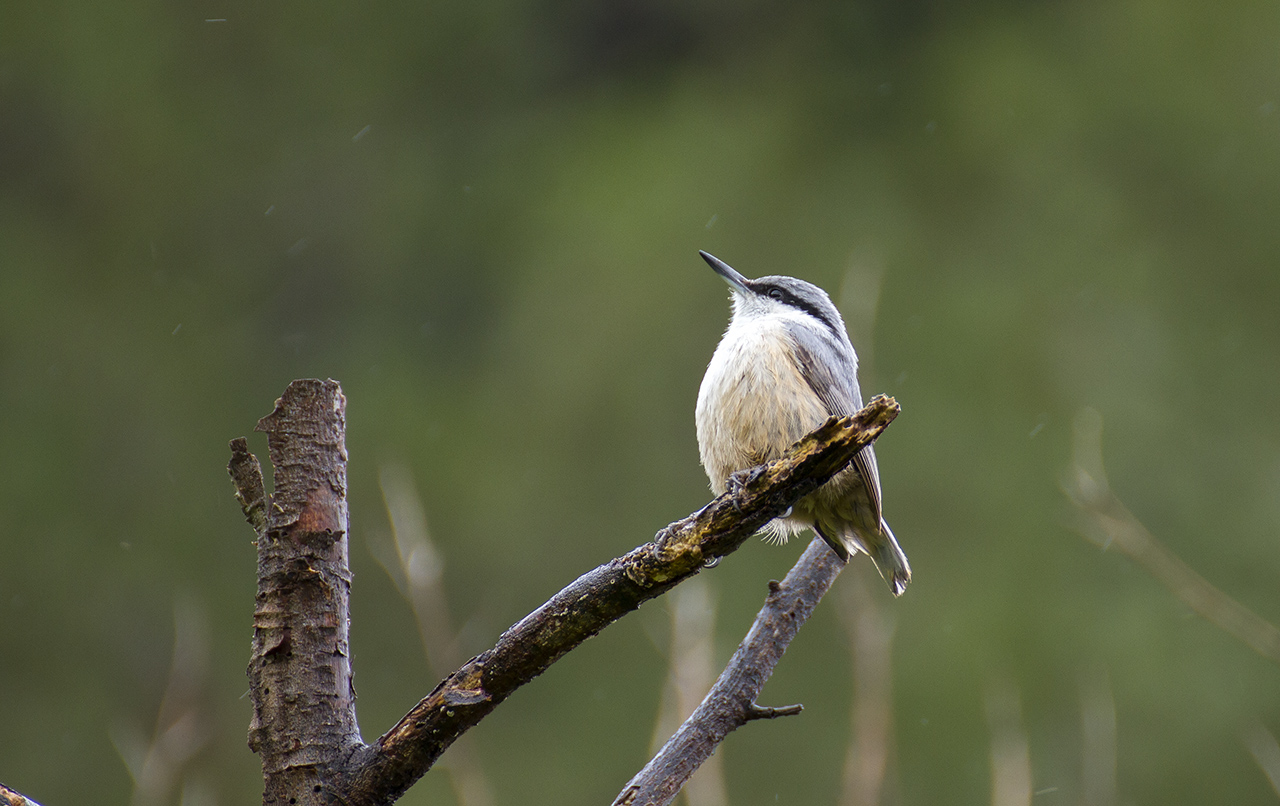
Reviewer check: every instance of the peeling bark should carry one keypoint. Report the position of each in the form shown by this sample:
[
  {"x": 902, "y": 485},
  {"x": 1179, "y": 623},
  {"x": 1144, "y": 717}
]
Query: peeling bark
[{"x": 304, "y": 718}]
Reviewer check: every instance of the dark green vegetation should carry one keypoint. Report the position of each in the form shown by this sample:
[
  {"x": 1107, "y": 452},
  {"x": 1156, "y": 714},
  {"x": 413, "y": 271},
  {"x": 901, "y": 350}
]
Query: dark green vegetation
[{"x": 483, "y": 219}]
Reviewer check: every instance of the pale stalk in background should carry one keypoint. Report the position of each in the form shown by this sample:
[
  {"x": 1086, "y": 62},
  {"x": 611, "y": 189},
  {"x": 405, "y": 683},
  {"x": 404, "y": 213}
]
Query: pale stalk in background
[
  {"x": 859, "y": 297},
  {"x": 870, "y": 630},
  {"x": 1108, "y": 523},
  {"x": 868, "y": 626},
  {"x": 1098, "y": 739},
  {"x": 418, "y": 571},
  {"x": 1010, "y": 752},
  {"x": 157, "y": 765},
  {"x": 691, "y": 672},
  {"x": 1262, "y": 745}
]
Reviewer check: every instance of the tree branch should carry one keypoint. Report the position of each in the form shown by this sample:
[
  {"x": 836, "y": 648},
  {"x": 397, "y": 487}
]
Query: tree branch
[
  {"x": 304, "y": 718},
  {"x": 9, "y": 797},
  {"x": 303, "y": 580},
  {"x": 387, "y": 767},
  {"x": 731, "y": 703}
]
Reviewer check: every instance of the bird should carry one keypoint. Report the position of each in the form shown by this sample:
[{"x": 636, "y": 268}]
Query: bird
[{"x": 783, "y": 367}]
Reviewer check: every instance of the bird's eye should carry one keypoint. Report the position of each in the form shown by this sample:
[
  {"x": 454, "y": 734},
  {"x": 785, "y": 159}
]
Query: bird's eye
[{"x": 778, "y": 294}]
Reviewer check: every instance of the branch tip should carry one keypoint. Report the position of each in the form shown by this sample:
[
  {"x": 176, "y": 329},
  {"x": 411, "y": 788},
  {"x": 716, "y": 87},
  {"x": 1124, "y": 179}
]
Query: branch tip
[
  {"x": 246, "y": 475},
  {"x": 760, "y": 712},
  {"x": 10, "y": 797}
]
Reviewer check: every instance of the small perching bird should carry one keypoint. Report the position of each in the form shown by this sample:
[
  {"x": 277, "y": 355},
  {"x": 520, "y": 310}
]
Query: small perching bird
[{"x": 783, "y": 367}]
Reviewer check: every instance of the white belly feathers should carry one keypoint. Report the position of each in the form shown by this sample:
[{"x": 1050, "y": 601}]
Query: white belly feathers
[{"x": 763, "y": 402}]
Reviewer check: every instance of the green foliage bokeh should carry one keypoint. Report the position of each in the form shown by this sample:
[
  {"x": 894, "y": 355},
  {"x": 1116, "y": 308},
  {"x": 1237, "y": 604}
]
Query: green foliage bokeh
[{"x": 483, "y": 220}]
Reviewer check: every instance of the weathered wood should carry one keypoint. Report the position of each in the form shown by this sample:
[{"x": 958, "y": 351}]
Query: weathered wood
[
  {"x": 304, "y": 724},
  {"x": 9, "y": 797},
  {"x": 304, "y": 719}
]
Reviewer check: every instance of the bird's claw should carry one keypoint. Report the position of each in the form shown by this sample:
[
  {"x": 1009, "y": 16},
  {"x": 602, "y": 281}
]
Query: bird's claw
[{"x": 738, "y": 481}]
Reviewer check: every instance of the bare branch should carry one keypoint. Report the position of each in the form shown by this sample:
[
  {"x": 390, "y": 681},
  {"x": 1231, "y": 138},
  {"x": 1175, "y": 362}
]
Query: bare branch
[
  {"x": 1108, "y": 523},
  {"x": 382, "y": 770},
  {"x": 246, "y": 475},
  {"x": 731, "y": 703},
  {"x": 9, "y": 797},
  {"x": 761, "y": 712},
  {"x": 300, "y": 677}
]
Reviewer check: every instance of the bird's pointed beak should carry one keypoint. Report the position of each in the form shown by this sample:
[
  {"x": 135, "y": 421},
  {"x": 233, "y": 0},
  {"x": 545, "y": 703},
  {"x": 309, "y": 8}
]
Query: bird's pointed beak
[{"x": 737, "y": 281}]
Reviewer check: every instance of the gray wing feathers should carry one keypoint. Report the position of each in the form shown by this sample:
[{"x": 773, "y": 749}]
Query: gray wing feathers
[
  {"x": 838, "y": 392},
  {"x": 865, "y": 462}
]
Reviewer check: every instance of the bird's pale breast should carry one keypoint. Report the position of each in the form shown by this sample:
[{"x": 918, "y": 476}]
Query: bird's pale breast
[{"x": 753, "y": 403}]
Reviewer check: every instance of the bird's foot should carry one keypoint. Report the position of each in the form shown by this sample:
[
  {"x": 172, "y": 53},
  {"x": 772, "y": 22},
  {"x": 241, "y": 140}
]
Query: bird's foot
[{"x": 738, "y": 481}]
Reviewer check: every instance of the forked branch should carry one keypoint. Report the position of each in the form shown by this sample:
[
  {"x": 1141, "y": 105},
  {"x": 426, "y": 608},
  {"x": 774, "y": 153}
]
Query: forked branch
[
  {"x": 731, "y": 703},
  {"x": 307, "y": 512}
]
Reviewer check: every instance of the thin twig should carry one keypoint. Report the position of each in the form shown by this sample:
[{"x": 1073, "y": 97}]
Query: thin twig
[
  {"x": 731, "y": 703},
  {"x": 771, "y": 712}
]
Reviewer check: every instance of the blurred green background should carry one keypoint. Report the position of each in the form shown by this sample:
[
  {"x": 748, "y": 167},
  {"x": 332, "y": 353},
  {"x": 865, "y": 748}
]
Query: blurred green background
[{"x": 482, "y": 219}]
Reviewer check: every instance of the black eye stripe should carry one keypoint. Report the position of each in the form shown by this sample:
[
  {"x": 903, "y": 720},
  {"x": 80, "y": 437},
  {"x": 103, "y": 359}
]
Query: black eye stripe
[{"x": 787, "y": 298}]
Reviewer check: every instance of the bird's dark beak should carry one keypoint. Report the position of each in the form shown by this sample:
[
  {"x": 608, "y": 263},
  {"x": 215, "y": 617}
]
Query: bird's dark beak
[{"x": 737, "y": 281}]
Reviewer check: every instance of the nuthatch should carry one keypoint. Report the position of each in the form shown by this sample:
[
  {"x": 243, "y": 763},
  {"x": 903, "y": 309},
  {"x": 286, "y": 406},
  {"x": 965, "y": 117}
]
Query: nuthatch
[{"x": 783, "y": 367}]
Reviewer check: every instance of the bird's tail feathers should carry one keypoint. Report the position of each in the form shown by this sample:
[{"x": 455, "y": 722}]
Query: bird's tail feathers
[
  {"x": 890, "y": 561},
  {"x": 883, "y": 549}
]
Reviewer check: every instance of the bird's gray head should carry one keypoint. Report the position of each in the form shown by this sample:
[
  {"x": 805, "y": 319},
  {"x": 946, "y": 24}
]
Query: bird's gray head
[{"x": 777, "y": 294}]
